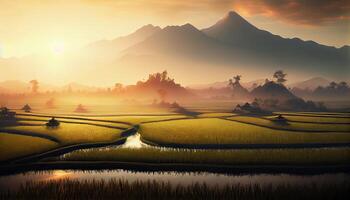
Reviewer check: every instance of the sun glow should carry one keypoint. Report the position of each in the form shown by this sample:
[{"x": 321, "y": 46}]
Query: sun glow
[{"x": 57, "y": 47}]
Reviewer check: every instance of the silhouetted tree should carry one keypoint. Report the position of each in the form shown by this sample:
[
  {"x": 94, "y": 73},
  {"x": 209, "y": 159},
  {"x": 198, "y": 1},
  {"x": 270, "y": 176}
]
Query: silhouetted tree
[
  {"x": 280, "y": 77},
  {"x": 35, "y": 86},
  {"x": 332, "y": 85},
  {"x": 237, "y": 78},
  {"x": 162, "y": 93},
  {"x": 118, "y": 87}
]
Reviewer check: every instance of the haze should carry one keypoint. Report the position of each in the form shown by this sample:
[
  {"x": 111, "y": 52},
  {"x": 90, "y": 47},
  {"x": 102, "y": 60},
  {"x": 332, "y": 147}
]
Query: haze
[{"x": 49, "y": 32}]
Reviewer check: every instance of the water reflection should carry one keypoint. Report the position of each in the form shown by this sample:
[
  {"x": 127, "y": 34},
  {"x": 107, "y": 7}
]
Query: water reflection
[
  {"x": 184, "y": 178},
  {"x": 134, "y": 141}
]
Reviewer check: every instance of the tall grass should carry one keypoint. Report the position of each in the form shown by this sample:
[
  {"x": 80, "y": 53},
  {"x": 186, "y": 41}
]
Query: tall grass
[
  {"x": 216, "y": 157},
  {"x": 123, "y": 189}
]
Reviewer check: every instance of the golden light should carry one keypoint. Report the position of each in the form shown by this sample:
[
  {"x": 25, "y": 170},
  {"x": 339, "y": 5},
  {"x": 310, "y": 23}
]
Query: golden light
[
  {"x": 58, "y": 174},
  {"x": 57, "y": 47}
]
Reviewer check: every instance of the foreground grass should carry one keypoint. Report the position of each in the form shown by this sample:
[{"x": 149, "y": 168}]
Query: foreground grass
[
  {"x": 216, "y": 157},
  {"x": 13, "y": 146},
  {"x": 73, "y": 133},
  {"x": 218, "y": 131},
  {"x": 123, "y": 189}
]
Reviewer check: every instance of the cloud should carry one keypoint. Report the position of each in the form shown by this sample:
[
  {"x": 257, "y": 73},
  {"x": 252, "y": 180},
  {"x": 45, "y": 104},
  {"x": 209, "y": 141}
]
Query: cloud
[{"x": 308, "y": 12}]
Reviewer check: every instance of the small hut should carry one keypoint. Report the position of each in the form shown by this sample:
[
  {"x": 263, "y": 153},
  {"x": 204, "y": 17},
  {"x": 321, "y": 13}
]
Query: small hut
[
  {"x": 80, "y": 108},
  {"x": 280, "y": 119},
  {"x": 26, "y": 108},
  {"x": 52, "y": 123},
  {"x": 5, "y": 113}
]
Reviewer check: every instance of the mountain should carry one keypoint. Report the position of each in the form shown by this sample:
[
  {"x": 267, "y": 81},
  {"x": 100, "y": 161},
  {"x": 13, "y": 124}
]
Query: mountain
[
  {"x": 184, "y": 41},
  {"x": 111, "y": 48},
  {"x": 233, "y": 44},
  {"x": 311, "y": 84},
  {"x": 307, "y": 56},
  {"x": 124, "y": 42},
  {"x": 272, "y": 90}
]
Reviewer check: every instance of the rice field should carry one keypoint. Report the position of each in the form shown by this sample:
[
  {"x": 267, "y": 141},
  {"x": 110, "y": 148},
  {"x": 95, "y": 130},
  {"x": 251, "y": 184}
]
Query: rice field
[
  {"x": 220, "y": 131},
  {"x": 297, "y": 126},
  {"x": 68, "y": 133},
  {"x": 220, "y": 128},
  {"x": 13, "y": 146}
]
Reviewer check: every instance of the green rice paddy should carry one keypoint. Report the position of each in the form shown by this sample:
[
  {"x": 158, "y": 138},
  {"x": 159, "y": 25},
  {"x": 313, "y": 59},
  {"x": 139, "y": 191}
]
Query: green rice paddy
[{"x": 13, "y": 146}]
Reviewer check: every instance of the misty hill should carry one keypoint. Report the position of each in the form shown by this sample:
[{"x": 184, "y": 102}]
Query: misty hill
[
  {"x": 272, "y": 90},
  {"x": 223, "y": 84},
  {"x": 184, "y": 41},
  {"x": 234, "y": 43},
  {"x": 124, "y": 42},
  {"x": 311, "y": 84},
  {"x": 306, "y": 55}
]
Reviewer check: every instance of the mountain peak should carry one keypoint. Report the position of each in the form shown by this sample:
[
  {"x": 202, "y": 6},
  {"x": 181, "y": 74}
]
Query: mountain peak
[
  {"x": 234, "y": 20},
  {"x": 233, "y": 14},
  {"x": 233, "y": 29},
  {"x": 147, "y": 28}
]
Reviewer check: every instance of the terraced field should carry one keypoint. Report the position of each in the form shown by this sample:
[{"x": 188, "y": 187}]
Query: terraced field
[
  {"x": 248, "y": 136},
  {"x": 12, "y": 146},
  {"x": 220, "y": 131}
]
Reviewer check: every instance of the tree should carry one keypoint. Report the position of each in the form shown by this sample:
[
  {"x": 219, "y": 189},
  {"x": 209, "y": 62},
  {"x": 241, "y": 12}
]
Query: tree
[
  {"x": 118, "y": 87},
  {"x": 35, "y": 86},
  {"x": 237, "y": 78},
  {"x": 280, "y": 77},
  {"x": 332, "y": 85},
  {"x": 343, "y": 85},
  {"x": 162, "y": 93}
]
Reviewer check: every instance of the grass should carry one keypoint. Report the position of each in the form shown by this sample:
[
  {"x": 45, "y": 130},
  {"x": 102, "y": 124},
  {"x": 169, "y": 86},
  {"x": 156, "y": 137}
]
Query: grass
[
  {"x": 216, "y": 157},
  {"x": 12, "y": 146},
  {"x": 294, "y": 125},
  {"x": 73, "y": 133},
  {"x": 123, "y": 189},
  {"x": 218, "y": 131}
]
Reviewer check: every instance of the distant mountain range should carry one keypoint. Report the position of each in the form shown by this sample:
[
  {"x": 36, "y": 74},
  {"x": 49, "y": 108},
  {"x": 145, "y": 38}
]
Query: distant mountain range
[
  {"x": 311, "y": 84},
  {"x": 232, "y": 45}
]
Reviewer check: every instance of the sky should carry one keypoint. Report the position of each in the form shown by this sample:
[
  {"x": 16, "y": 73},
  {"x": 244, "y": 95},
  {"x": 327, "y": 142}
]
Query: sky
[{"x": 37, "y": 26}]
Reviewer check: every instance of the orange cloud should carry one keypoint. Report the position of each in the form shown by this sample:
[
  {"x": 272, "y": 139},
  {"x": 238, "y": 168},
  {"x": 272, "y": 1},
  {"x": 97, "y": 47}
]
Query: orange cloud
[{"x": 310, "y": 12}]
